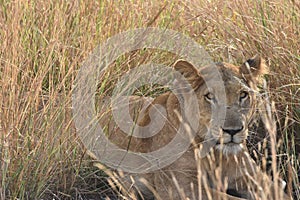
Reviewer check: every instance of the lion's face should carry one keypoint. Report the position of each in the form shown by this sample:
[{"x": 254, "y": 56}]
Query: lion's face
[
  {"x": 226, "y": 117},
  {"x": 226, "y": 106}
]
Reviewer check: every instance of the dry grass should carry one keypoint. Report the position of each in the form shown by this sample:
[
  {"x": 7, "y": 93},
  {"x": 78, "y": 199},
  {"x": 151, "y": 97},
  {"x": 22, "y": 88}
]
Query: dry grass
[{"x": 44, "y": 43}]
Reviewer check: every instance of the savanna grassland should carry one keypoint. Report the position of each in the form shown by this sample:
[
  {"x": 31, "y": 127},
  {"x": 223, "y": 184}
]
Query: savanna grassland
[{"x": 43, "y": 45}]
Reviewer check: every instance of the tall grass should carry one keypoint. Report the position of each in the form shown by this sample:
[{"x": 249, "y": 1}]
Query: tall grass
[{"x": 43, "y": 44}]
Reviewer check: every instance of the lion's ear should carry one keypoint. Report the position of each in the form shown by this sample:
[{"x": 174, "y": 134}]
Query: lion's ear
[
  {"x": 189, "y": 72},
  {"x": 254, "y": 68}
]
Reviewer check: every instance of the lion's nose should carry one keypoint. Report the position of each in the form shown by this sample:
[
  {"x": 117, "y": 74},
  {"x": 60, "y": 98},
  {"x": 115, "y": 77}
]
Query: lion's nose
[{"x": 232, "y": 132}]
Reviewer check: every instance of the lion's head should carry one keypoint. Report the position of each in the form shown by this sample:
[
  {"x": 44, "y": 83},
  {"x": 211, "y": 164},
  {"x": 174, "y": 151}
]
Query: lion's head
[{"x": 226, "y": 106}]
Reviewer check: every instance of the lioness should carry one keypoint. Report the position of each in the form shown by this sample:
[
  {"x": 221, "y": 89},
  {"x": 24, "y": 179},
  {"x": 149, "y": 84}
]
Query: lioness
[{"x": 217, "y": 165}]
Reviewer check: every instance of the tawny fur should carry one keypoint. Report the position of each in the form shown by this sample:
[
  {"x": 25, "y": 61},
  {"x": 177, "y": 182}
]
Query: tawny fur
[{"x": 225, "y": 167}]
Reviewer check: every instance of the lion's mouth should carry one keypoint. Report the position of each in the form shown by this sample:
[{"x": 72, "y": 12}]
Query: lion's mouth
[
  {"x": 230, "y": 143},
  {"x": 229, "y": 147}
]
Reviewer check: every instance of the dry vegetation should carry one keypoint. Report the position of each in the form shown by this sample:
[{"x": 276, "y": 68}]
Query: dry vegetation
[{"x": 43, "y": 44}]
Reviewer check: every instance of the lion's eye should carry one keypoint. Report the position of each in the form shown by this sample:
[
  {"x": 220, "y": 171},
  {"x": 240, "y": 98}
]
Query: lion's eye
[
  {"x": 243, "y": 95},
  {"x": 209, "y": 96}
]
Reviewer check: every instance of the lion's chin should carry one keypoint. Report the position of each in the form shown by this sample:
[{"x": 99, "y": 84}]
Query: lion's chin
[{"x": 230, "y": 148}]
